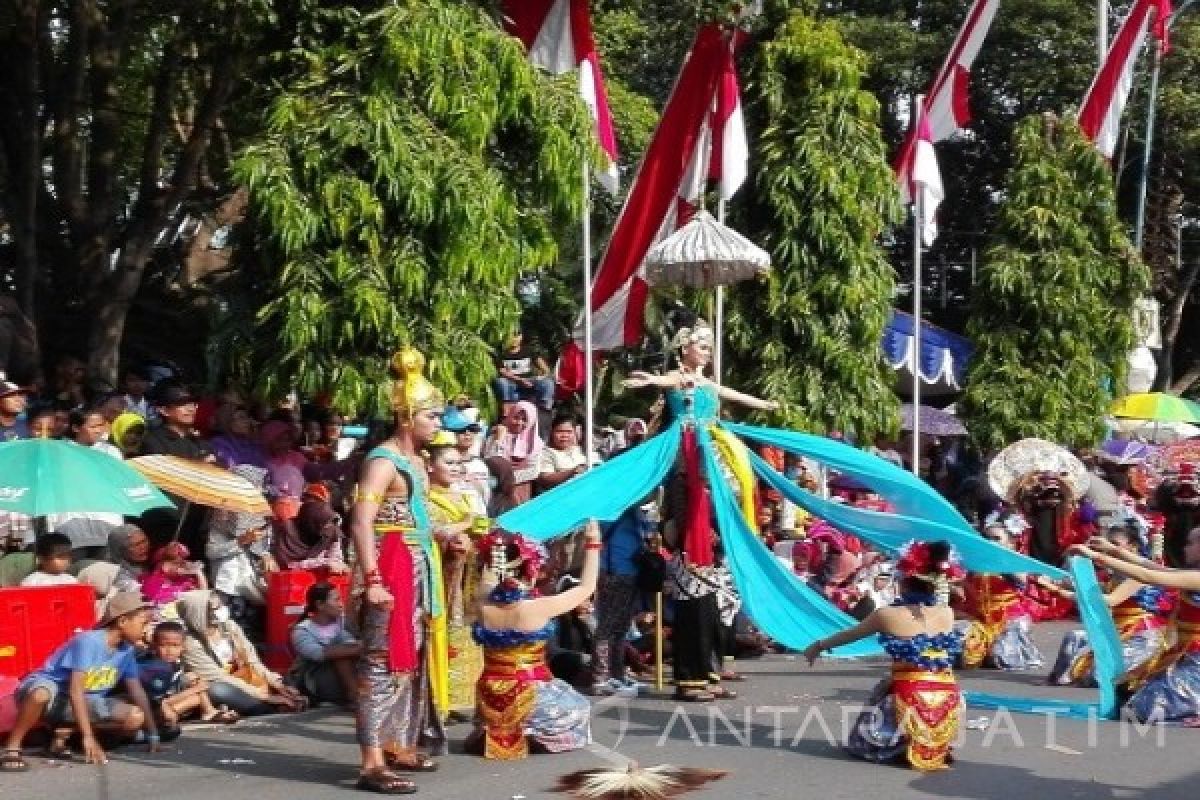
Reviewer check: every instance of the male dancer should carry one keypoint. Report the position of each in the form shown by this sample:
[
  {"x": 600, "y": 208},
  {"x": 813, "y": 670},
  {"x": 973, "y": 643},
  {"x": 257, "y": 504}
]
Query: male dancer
[{"x": 402, "y": 669}]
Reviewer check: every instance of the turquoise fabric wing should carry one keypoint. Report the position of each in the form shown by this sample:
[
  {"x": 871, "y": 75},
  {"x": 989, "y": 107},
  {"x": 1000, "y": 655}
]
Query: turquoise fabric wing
[
  {"x": 1105, "y": 643},
  {"x": 782, "y": 606},
  {"x": 892, "y": 531},
  {"x": 603, "y": 493},
  {"x": 909, "y": 494}
]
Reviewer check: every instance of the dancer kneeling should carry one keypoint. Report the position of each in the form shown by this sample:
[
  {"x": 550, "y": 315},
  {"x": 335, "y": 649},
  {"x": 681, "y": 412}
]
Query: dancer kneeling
[
  {"x": 1000, "y": 633},
  {"x": 913, "y": 714},
  {"x": 1171, "y": 691},
  {"x": 518, "y": 698}
]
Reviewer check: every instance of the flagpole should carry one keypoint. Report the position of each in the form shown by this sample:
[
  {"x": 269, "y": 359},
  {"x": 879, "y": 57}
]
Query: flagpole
[
  {"x": 918, "y": 217},
  {"x": 719, "y": 349},
  {"x": 1101, "y": 30},
  {"x": 589, "y": 400}
]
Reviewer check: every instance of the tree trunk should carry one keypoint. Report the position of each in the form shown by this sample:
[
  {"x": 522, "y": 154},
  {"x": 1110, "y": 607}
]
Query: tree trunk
[{"x": 110, "y": 308}]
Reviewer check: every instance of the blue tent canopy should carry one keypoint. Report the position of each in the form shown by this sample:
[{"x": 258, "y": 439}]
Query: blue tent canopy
[{"x": 943, "y": 358}]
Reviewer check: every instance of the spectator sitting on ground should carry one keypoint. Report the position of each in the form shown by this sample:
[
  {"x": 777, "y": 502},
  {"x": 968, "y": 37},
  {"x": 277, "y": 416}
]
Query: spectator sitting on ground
[
  {"x": 176, "y": 407},
  {"x": 219, "y": 653},
  {"x": 74, "y": 685},
  {"x": 563, "y": 458},
  {"x": 569, "y": 651},
  {"x": 522, "y": 374},
  {"x": 325, "y": 651},
  {"x": 173, "y": 693},
  {"x": 173, "y": 575},
  {"x": 107, "y": 581},
  {"x": 53, "y": 553},
  {"x": 127, "y": 432},
  {"x": 129, "y": 548}
]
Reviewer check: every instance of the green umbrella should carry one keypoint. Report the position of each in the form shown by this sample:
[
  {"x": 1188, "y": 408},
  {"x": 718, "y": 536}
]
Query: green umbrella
[{"x": 45, "y": 476}]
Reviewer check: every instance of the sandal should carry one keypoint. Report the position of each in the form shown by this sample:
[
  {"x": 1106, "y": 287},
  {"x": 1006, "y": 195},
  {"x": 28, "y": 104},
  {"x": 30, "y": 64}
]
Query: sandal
[
  {"x": 730, "y": 675},
  {"x": 381, "y": 781},
  {"x": 417, "y": 763},
  {"x": 721, "y": 693},
  {"x": 694, "y": 696},
  {"x": 223, "y": 716},
  {"x": 11, "y": 761},
  {"x": 58, "y": 752}
]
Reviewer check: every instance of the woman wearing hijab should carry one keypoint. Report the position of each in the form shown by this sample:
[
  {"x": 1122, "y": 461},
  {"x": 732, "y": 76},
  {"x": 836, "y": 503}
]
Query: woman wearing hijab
[
  {"x": 512, "y": 453},
  {"x": 126, "y": 433},
  {"x": 129, "y": 549},
  {"x": 314, "y": 538}
]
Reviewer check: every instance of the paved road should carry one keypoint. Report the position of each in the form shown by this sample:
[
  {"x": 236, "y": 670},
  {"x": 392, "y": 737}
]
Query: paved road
[{"x": 775, "y": 739}]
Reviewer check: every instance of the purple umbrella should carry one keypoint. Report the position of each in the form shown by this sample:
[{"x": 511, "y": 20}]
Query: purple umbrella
[
  {"x": 934, "y": 422},
  {"x": 1120, "y": 451}
]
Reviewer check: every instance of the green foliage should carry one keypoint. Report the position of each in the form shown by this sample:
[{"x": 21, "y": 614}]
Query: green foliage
[
  {"x": 1052, "y": 319},
  {"x": 411, "y": 171},
  {"x": 823, "y": 193}
]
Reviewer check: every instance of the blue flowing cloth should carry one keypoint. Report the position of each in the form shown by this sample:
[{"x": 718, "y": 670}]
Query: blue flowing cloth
[
  {"x": 783, "y": 607},
  {"x": 1105, "y": 643}
]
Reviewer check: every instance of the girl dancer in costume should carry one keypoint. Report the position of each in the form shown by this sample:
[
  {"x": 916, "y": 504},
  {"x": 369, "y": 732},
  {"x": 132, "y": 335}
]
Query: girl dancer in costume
[
  {"x": 999, "y": 635},
  {"x": 454, "y": 523},
  {"x": 914, "y": 713},
  {"x": 1142, "y": 614},
  {"x": 700, "y": 582},
  {"x": 401, "y": 703},
  {"x": 519, "y": 700},
  {"x": 1171, "y": 692}
]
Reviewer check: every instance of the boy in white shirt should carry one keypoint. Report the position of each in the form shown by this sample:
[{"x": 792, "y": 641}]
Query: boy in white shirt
[{"x": 53, "y": 553}]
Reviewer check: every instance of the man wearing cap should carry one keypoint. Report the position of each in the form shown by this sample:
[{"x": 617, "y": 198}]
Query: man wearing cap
[
  {"x": 476, "y": 476},
  {"x": 13, "y": 399},
  {"x": 174, "y": 436},
  {"x": 73, "y": 687}
]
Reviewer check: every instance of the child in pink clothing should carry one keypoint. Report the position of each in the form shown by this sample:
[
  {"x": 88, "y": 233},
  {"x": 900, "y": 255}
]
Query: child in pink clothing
[{"x": 173, "y": 575}]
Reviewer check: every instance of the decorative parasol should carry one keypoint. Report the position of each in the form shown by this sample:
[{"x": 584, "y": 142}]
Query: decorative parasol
[
  {"x": 934, "y": 422},
  {"x": 703, "y": 254},
  {"x": 203, "y": 484},
  {"x": 1170, "y": 458},
  {"x": 1156, "y": 432},
  {"x": 1015, "y": 463}
]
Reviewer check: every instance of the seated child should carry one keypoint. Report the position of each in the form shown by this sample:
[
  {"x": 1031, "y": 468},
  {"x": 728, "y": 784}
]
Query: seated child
[
  {"x": 53, "y": 554},
  {"x": 173, "y": 692},
  {"x": 173, "y": 575},
  {"x": 73, "y": 687}
]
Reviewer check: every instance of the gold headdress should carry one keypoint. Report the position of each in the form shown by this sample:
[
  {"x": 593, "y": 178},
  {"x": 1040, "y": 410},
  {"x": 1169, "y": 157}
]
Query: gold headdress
[
  {"x": 699, "y": 332},
  {"x": 411, "y": 391}
]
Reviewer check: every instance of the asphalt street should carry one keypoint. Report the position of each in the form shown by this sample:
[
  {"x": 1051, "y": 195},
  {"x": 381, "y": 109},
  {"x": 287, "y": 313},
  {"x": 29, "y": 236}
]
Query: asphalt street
[{"x": 778, "y": 739}]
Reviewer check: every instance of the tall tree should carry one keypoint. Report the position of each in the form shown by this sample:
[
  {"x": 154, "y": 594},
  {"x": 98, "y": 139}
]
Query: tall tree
[
  {"x": 406, "y": 177},
  {"x": 823, "y": 194},
  {"x": 1053, "y": 316},
  {"x": 114, "y": 106}
]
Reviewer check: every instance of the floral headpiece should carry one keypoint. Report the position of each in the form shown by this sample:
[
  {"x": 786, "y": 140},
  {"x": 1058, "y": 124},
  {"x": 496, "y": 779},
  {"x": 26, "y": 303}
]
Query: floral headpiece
[
  {"x": 514, "y": 576},
  {"x": 700, "y": 332},
  {"x": 917, "y": 561}
]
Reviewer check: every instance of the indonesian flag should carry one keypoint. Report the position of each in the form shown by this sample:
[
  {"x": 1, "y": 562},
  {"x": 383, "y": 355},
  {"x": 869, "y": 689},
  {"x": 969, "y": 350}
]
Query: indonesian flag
[
  {"x": 1100, "y": 114},
  {"x": 699, "y": 138},
  {"x": 558, "y": 36},
  {"x": 925, "y": 181},
  {"x": 946, "y": 103}
]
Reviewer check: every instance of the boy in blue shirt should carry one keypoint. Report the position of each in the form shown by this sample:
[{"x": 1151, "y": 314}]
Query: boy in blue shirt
[{"x": 73, "y": 687}]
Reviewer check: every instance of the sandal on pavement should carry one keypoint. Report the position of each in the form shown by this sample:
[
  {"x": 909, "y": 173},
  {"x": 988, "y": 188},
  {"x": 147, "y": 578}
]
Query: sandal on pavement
[
  {"x": 730, "y": 675},
  {"x": 721, "y": 693},
  {"x": 223, "y": 716},
  {"x": 58, "y": 752},
  {"x": 12, "y": 761},
  {"x": 414, "y": 764},
  {"x": 381, "y": 781},
  {"x": 693, "y": 696}
]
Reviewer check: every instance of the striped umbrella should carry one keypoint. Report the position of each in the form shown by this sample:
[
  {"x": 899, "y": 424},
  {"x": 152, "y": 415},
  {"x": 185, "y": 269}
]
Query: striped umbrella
[
  {"x": 703, "y": 254},
  {"x": 202, "y": 483},
  {"x": 1156, "y": 407}
]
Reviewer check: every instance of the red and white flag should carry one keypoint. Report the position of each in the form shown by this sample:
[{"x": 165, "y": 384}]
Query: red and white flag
[
  {"x": 946, "y": 103},
  {"x": 700, "y": 137},
  {"x": 558, "y": 36},
  {"x": 1100, "y": 114},
  {"x": 924, "y": 181}
]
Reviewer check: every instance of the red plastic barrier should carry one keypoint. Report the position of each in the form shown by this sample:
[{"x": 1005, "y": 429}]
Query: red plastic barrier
[
  {"x": 285, "y": 607},
  {"x": 34, "y": 621}
]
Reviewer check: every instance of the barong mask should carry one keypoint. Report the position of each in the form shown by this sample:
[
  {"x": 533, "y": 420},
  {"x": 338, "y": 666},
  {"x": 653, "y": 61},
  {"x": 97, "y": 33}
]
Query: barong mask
[{"x": 412, "y": 392}]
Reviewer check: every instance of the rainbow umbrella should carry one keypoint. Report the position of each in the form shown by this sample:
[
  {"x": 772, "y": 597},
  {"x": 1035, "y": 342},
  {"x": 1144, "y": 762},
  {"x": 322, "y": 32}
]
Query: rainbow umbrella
[{"x": 1156, "y": 407}]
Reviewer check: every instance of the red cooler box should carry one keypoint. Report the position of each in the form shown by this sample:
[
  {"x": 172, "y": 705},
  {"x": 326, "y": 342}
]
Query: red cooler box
[
  {"x": 34, "y": 621},
  {"x": 285, "y": 607}
]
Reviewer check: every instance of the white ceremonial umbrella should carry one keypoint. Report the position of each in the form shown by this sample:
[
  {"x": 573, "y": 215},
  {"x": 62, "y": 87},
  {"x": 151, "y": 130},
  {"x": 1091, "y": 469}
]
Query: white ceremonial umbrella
[{"x": 704, "y": 254}]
